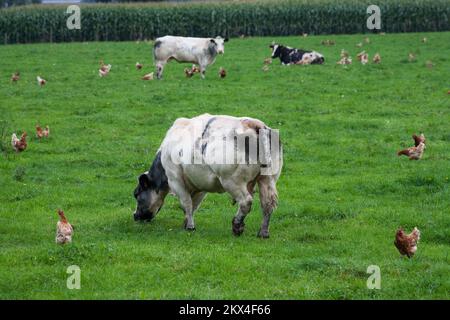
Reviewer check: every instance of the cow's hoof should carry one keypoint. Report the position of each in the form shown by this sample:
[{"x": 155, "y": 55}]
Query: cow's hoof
[
  {"x": 188, "y": 227},
  {"x": 263, "y": 234},
  {"x": 238, "y": 228}
]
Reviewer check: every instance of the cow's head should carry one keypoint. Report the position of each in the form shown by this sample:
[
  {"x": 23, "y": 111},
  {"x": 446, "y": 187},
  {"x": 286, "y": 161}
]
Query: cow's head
[
  {"x": 275, "y": 50},
  {"x": 315, "y": 57},
  {"x": 151, "y": 191},
  {"x": 219, "y": 44}
]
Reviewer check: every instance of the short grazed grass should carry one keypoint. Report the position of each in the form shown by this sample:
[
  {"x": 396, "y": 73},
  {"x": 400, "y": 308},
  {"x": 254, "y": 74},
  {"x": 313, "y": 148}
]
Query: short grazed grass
[{"x": 343, "y": 191}]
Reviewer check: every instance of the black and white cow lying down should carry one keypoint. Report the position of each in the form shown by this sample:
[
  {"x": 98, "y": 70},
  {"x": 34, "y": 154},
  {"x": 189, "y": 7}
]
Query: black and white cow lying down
[
  {"x": 213, "y": 154},
  {"x": 201, "y": 51},
  {"x": 290, "y": 55}
]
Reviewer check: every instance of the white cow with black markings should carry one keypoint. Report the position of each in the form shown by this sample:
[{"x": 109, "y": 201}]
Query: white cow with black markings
[
  {"x": 213, "y": 154},
  {"x": 201, "y": 51}
]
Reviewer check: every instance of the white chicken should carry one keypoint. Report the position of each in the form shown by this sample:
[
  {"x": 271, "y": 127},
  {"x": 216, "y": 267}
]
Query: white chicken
[
  {"x": 41, "y": 81},
  {"x": 148, "y": 76}
]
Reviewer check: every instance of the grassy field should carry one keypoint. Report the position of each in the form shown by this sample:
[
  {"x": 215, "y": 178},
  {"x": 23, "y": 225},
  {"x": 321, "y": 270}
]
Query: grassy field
[{"x": 343, "y": 191}]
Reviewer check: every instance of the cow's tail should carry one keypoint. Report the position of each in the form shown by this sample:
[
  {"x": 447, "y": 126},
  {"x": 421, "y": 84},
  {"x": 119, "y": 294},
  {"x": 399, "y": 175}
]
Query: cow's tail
[
  {"x": 271, "y": 155},
  {"x": 269, "y": 147}
]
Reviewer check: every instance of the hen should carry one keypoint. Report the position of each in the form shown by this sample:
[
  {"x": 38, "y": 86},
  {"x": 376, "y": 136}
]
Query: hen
[
  {"x": 188, "y": 72},
  {"x": 41, "y": 81},
  {"x": 345, "y": 58},
  {"x": 222, "y": 72},
  {"x": 376, "y": 58},
  {"x": 102, "y": 73},
  {"x": 363, "y": 57},
  {"x": 15, "y": 76},
  {"x": 328, "y": 42},
  {"x": 138, "y": 66},
  {"x": 42, "y": 133},
  {"x": 416, "y": 152},
  {"x": 418, "y": 139},
  {"x": 105, "y": 67},
  {"x": 407, "y": 243},
  {"x": 64, "y": 229},
  {"x": 195, "y": 69},
  {"x": 19, "y": 145},
  {"x": 148, "y": 76}
]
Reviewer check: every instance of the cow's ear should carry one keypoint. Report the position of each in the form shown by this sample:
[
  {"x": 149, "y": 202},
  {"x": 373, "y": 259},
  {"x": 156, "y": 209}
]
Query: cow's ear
[
  {"x": 213, "y": 41},
  {"x": 144, "y": 181},
  {"x": 226, "y": 40}
]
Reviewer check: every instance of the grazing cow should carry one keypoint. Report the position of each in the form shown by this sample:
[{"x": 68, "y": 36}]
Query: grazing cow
[
  {"x": 202, "y": 51},
  {"x": 290, "y": 55},
  {"x": 213, "y": 154}
]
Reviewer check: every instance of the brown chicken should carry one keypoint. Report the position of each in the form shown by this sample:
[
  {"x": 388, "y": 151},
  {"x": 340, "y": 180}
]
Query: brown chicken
[
  {"x": 407, "y": 243},
  {"x": 138, "y": 66},
  {"x": 19, "y": 145},
  {"x": 413, "y": 153},
  {"x": 148, "y": 76},
  {"x": 345, "y": 60},
  {"x": 328, "y": 42},
  {"x": 64, "y": 230},
  {"x": 268, "y": 61},
  {"x": 222, "y": 73},
  {"x": 188, "y": 72},
  {"x": 376, "y": 58},
  {"x": 42, "y": 133},
  {"x": 416, "y": 152},
  {"x": 363, "y": 57},
  {"x": 418, "y": 139},
  {"x": 15, "y": 77},
  {"x": 105, "y": 67},
  {"x": 195, "y": 69}
]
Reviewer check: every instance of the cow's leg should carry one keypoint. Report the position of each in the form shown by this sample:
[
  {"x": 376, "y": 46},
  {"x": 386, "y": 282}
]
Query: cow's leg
[
  {"x": 179, "y": 188},
  {"x": 269, "y": 199},
  {"x": 203, "y": 70},
  {"x": 197, "y": 199},
  {"x": 160, "y": 69},
  {"x": 245, "y": 205},
  {"x": 244, "y": 199}
]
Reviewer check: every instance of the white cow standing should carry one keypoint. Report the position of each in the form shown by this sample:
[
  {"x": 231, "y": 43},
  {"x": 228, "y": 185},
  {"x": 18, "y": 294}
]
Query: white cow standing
[
  {"x": 208, "y": 138},
  {"x": 201, "y": 51}
]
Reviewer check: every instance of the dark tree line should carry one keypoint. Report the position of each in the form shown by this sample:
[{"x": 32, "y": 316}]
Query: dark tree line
[{"x": 10, "y": 3}]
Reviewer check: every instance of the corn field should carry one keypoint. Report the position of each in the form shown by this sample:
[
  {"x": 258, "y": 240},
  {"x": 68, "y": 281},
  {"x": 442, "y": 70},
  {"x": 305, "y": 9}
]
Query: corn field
[{"x": 120, "y": 22}]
